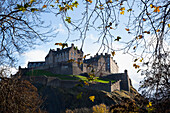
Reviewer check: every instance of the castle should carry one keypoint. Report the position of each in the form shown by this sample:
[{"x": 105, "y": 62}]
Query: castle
[
  {"x": 71, "y": 61},
  {"x": 59, "y": 60}
]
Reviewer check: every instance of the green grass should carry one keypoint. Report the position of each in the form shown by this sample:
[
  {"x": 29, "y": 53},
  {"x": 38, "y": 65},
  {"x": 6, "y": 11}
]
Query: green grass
[{"x": 65, "y": 77}]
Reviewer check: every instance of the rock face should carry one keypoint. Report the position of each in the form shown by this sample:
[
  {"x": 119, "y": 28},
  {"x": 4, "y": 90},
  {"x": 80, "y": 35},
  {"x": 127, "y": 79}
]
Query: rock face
[{"x": 57, "y": 100}]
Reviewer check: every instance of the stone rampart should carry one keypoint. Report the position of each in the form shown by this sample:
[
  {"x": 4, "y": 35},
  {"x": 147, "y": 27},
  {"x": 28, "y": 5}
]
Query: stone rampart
[{"x": 55, "y": 82}]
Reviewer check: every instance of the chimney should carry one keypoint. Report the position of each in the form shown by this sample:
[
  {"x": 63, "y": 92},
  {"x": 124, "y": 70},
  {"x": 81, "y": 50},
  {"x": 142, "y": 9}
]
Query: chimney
[
  {"x": 96, "y": 54},
  {"x": 105, "y": 54},
  {"x": 102, "y": 54},
  {"x": 125, "y": 72},
  {"x": 72, "y": 45},
  {"x": 58, "y": 49}
]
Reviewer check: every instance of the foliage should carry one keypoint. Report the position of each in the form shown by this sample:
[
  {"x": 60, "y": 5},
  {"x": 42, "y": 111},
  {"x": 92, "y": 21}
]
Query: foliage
[
  {"x": 102, "y": 108},
  {"x": 18, "y": 96},
  {"x": 18, "y": 22}
]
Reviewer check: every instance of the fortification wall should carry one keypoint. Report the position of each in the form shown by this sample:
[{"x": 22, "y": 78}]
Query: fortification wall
[
  {"x": 55, "y": 82},
  {"x": 125, "y": 81}
]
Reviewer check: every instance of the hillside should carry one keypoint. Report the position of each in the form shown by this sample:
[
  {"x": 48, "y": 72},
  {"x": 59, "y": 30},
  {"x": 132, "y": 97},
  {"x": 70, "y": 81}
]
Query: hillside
[{"x": 57, "y": 100}]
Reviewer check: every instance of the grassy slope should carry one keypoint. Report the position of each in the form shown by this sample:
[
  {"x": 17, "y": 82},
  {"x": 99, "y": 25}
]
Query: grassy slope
[{"x": 64, "y": 77}]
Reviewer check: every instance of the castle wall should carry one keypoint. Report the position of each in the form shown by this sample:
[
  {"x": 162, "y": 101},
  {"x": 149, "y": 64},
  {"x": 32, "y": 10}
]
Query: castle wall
[
  {"x": 125, "y": 81},
  {"x": 55, "y": 82}
]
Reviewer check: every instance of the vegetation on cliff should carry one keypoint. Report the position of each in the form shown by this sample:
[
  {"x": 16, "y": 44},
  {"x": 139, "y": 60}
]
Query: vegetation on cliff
[{"x": 63, "y": 99}]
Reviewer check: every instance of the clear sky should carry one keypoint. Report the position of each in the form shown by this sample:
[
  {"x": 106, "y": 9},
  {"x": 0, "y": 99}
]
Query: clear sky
[{"x": 124, "y": 61}]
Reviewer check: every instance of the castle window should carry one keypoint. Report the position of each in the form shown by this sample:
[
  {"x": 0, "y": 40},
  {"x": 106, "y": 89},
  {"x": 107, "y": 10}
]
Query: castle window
[
  {"x": 74, "y": 54},
  {"x": 74, "y": 58},
  {"x": 71, "y": 54}
]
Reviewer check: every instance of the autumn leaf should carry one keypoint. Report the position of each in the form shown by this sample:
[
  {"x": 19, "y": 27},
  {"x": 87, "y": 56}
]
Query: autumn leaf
[
  {"x": 148, "y": 32},
  {"x": 136, "y": 66},
  {"x": 85, "y": 56},
  {"x": 151, "y": 6},
  {"x": 86, "y": 83},
  {"x": 169, "y": 25},
  {"x": 34, "y": 9},
  {"x": 68, "y": 19},
  {"x": 62, "y": 44},
  {"x": 156, "y": 9},
  {"x": 122, "y": 13},
  {"x": 129, "y": 10},
  {"x": 141, "y": 60},
  {"x": 140, "y": 36},
  {"x": 113, "y": 53},
  {"x": 90, "y": 1},
  {"x": 144, "y": 19},
  {"x": 134, "y": 47},
  {"x": 111, "y": 28},
  {"x": 126, "y": 29},
  {"x": 44, "y": 6},
  {"x": 150, "y": 103},
  {"x": 92, "y": 98},
  {"x": 122, "y": 9},
  {"x": 157, "y": 30},
  {"x": 109, "y": 1},
  {"x": 52, "y": 5}
]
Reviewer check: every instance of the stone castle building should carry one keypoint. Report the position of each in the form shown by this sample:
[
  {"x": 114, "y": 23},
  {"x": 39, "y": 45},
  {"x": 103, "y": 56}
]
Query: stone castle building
[
  {"x": 71, "y": 61},
  {"x": 59, "y": 59}
]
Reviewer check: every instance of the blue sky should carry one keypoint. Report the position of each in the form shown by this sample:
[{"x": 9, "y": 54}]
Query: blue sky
[{"x": 124, "y": 61}]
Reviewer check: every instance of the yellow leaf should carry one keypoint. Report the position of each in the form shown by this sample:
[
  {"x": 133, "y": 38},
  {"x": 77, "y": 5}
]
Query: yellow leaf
[
  {"x": 92, "y": 98},
  {"x": 126, "y": 29},
  {"x": 141, "y": 60},
  {"x": 86, "y": 83},
  {"x": 169, "y": 25},
  {"x": 122, "y": 13},
  {"x": 151, "y": 6},
  {"x": 157, "y": 30},
  {"x": 122, "y": 9},
  {"x": 44, "y": 6},
  {"x": 150, "y": 103},
  {"x": 113, "y": 53}
]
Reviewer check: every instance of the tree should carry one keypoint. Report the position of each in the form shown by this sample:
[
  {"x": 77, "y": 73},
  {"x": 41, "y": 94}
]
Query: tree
[
  {"x": 18, "y": 96},
  {"x": 18, "y": 20}
]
